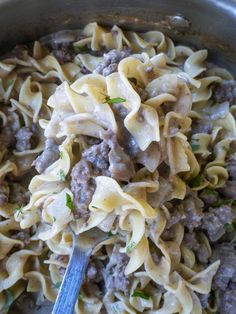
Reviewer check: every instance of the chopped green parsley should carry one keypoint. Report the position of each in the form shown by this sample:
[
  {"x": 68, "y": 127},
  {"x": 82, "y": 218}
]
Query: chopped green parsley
[
  {"x": 80, "y": 49},
  {"x": 213, "y": 155},
  {"x": 69, "y": 201},
  {"x": 57, "y": 285},
  {"x": 224, "y": 202},
  {"x": 210, "y": 192},
  {"x": 9, "y": 299},
  {"x": 62, "y": 175},
  {"x": 110, "y": 234},
  {"x": 94, "y": 207},
  {"x": 81, "y": 296},
  {"x": 229, "y": 227},
  {"x": 111, "y": 101},
  {"x": 9, "y": 83},
  {"x": 196, "y": 181},
  {"x": 18, "y": 210},
  {"x": 130, "y": 247},
  {"x": 195, "y": 147},
  {"x": 141, "y": 294}
]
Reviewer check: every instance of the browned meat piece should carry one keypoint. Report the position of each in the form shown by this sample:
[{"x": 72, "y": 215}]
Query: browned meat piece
[
  {"x": 168, "y": 234},
  {"x": 228, "y": 301},
  {"x": 64, "y": 260},
  {"x": 231, "y": 166},
  {"x": 19, "y": 52},
  {"x": 7, "y": 138},
  {"x": 229, "y": 190},
  {"x": 23, "y": 235},
  {"x": 48, "y": 156},
  {"x": 97, "y": 155},
  {"x": 125, "y": 138},
  {"x": 94, "y": 271},
  {"x": 158, "y": 198},
  {"x": 114, "y": 276},
  {"x": 225, "y": 91},
  {"x": 18, "y": 194},
  {"x": 121, "y": 166},
  {"x": 26, "y": 139},
  {"x": 141, "y": 91},
  {"x": 4, "y": 193},
  {"x": 203, "y": 299},
  {"x": 106, "y": 158},
  {"x": 201, "y": 126},
  {"x": 127, "y": 141},
  {"x": 63, "y": 52},
  {"x": 111, "y": 68},
  {"x": 192, "y": 208},
  {"x": 190, "y": 240},
  {"x": 209, "y": 197},
  {"x": 111, "y": 60},
  {"x": 115, "y": 56},
  {"x": 175, "y": 217},
  {"x": 226, "y": 273},
  {"x": 213, "y": 221},
  {"x": 29, "y": 302},
  {"x": 7, "y": 134},
  {"x": 82, "y": 186},
  {"x": 120, "y": 113},
  {"x": 189, "y": 213},
  {"x": 89, "y": 140},
  {"x": 91, "y": 272},
  {"x": 84, "y": 70},
  {"x": 155, "y": 253}
]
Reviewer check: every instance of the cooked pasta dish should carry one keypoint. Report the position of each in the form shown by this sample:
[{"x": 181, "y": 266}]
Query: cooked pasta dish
[{"x": 133, "y": 134}]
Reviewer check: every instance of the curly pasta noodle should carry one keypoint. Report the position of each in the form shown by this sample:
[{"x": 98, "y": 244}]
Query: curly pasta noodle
[{"x": 163, "y": 89}]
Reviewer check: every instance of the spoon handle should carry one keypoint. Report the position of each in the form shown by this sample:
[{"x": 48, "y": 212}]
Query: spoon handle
[{"x": 74, "y": 275}]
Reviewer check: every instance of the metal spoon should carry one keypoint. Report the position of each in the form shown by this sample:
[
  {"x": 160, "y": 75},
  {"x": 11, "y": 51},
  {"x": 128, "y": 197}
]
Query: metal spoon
[{"x": 74, "y": 275}]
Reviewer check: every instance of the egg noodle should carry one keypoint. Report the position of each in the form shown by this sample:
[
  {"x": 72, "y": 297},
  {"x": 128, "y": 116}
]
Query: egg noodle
[{"x": 72, "y": 102}]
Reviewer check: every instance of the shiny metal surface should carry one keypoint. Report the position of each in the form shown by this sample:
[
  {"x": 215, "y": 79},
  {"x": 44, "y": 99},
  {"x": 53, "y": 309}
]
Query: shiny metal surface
[
  {"x": 213, "y": 22},
  {"x": 76, "y": 268}
]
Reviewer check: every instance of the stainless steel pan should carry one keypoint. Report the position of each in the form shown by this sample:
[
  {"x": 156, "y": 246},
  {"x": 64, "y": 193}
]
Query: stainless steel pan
[
  {"x": 209, "y": 23},
  {"x": 204, "y": 23}
]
